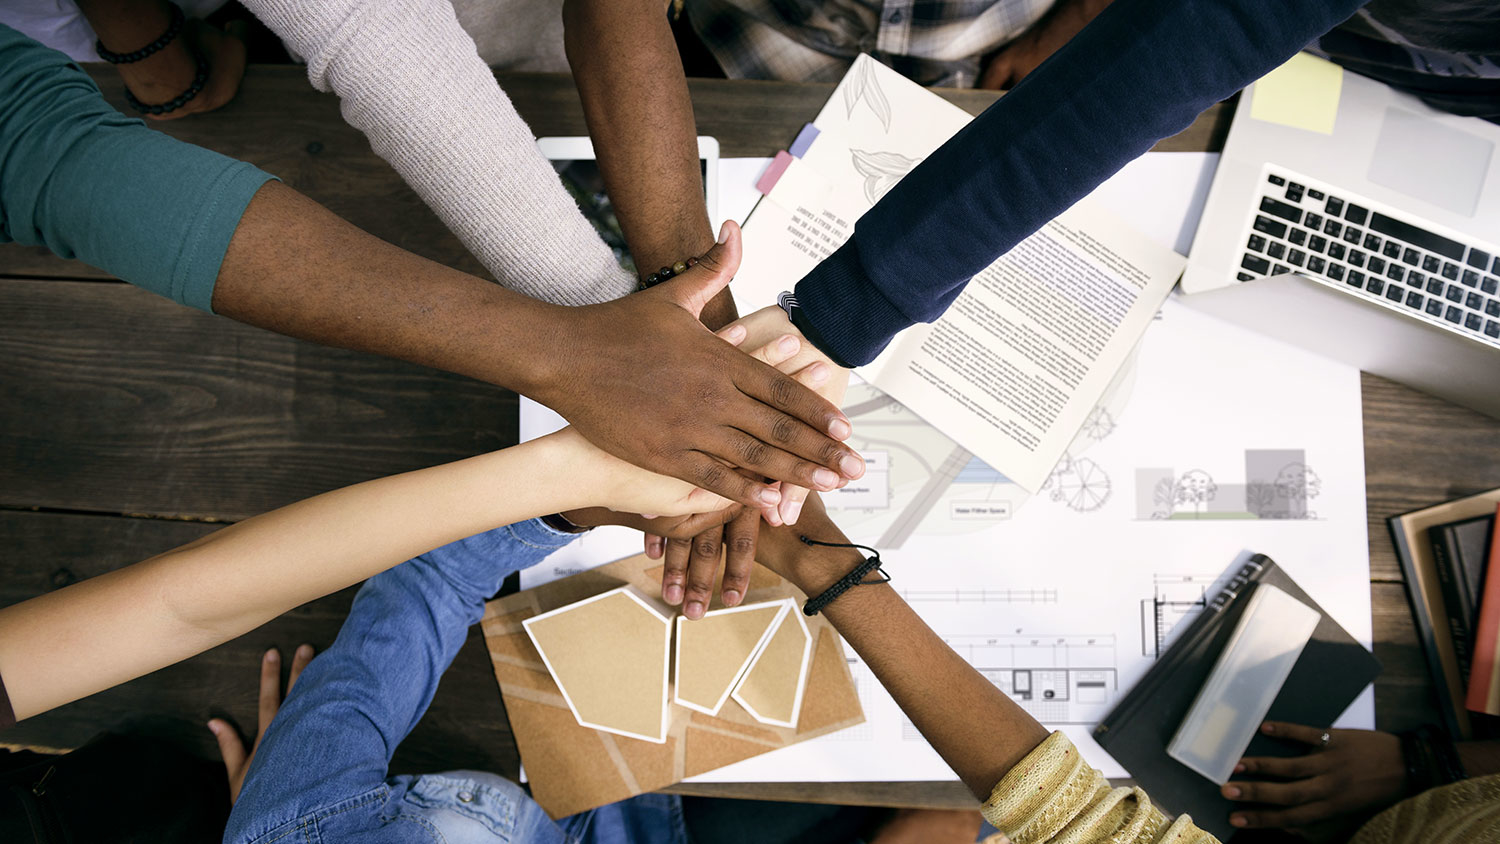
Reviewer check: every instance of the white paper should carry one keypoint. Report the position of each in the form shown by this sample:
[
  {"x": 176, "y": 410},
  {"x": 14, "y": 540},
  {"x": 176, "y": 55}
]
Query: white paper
[
  {"x": 1078, "y": 585},
  {"x": 1024, "y": 352}
]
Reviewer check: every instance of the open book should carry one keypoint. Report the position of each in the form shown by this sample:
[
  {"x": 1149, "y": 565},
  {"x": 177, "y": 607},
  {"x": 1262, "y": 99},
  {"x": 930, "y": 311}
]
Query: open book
[{"x": 1021, "y": 357}]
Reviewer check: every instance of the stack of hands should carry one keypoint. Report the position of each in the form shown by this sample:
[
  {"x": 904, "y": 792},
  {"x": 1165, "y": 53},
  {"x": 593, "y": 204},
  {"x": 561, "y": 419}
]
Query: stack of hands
[{"x": 759, "y": 427}]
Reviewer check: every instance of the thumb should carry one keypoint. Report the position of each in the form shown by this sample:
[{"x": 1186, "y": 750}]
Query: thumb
[
  {"x": 230, "y": 746},
  {"x": 702, "y": 282}
]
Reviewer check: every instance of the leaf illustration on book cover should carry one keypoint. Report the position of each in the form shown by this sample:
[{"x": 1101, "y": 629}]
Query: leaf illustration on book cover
[
  {"x": 882, "y": 170},
  {"x": 864, "y": 86}
]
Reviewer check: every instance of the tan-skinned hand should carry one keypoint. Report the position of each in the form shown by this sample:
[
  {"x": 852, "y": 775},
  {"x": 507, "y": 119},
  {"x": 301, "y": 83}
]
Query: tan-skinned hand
[
  {"x": 1326, "y": 792},
  {"x": 231, "y": 746}
]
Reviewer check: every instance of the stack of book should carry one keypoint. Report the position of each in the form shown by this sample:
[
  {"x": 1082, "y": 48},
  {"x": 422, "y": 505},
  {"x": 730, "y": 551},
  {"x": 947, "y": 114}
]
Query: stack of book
[{"x": 1450, "y": 558}]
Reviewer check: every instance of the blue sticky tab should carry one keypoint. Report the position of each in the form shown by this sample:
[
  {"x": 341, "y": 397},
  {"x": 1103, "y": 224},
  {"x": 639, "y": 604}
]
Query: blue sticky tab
[{"x": 804, "y": 140}]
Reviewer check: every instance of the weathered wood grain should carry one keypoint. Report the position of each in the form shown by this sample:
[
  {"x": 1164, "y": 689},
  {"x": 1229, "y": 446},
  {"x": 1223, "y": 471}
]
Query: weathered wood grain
[{"x": 119, "y": 401}]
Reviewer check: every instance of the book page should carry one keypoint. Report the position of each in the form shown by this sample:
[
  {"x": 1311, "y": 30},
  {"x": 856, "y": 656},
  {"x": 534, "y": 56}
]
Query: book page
[{"x": 1024, "y": 353}]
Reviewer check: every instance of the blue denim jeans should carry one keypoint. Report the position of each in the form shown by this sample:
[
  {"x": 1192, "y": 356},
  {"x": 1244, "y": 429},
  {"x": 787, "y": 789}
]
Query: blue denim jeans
[{"x": 321, "y": 773}]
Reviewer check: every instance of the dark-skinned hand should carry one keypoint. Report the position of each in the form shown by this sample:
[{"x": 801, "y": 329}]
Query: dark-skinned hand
[
  {"x": 1326, "y": 792},
  {"x": 644, "y": 380},
  {"x": 692, "y": 546}
]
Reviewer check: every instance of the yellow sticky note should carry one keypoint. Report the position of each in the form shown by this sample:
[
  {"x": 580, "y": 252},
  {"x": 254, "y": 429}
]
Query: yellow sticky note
[{"x": 1303, "y": 93}]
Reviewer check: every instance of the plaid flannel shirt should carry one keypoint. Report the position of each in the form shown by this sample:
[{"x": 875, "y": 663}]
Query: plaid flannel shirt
[{"x": 933, "y": 42}]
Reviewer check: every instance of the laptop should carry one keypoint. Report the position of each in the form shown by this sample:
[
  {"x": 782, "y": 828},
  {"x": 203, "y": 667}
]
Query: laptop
[{"x": 1377, "y": 244}]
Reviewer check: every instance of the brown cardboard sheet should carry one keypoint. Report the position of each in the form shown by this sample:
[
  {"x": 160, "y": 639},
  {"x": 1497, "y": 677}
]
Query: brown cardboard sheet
[
  {"x": 773, "y": 685},
  {"x": 608, "y": 655},
  {"x": 712, "y": 653},
  {"x": 572, "y": 768}
]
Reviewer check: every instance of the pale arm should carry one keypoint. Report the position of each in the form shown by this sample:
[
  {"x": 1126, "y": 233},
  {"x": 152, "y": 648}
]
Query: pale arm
[{"x": 76, "y": 641}]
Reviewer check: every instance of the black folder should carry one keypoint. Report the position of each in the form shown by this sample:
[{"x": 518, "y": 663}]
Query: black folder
[{"x": 1332, "y": 670}]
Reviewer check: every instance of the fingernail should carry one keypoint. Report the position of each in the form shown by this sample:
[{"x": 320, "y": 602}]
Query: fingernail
[
  {"x": 736, "y": 333},
  {"x": 694, "y": 610},
  {"x": 1268, "y": 728},
  {"x": 1236, "y": 820},
  {"x": 851, "y": 466},
  {"x": 724, "y": 232},
  {"x": 839, "y": 429},
  {"x": 304, "y": 650},
  {"x": 1231, "y": 791},
  {"x": 817, "y": 374},
  {"x": 272, "y": 656},
  {"x": 772, "y": 517},
  {"x": 770, "y": 497},
  {"x": 673, "y": 594},
  {"x": 788, "y": 345},
  {"x": 825, "y": 478},
  {"x": 1239, "y": 768},
  {"x": 793, "y": 512},
  {"x": 731, "y": 598},
  {"x": 213, "y": 727}
]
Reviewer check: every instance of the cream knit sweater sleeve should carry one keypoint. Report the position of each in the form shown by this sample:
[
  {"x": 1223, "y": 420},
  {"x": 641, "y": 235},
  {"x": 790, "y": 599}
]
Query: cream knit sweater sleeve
[
  {"x": 1053, "y": 796},
  {"x": 411, "y": 80}
]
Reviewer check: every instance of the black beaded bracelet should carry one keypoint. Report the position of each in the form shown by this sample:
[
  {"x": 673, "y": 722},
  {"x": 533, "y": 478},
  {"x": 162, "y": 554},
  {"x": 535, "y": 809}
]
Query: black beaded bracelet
[
  {"x": 848, "y": 581},
  {"x": 199, "y": 79},
  {"x": 665, "y": 273},
  {"x": 173, "y": 30}
]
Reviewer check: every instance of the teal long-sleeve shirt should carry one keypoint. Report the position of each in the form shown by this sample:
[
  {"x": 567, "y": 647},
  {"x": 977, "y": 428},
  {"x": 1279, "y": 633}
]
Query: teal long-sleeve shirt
[{"x": 87, "y": 182}]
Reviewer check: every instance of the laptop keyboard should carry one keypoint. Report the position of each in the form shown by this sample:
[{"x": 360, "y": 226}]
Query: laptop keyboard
[{"x": 1330, "y": 235}]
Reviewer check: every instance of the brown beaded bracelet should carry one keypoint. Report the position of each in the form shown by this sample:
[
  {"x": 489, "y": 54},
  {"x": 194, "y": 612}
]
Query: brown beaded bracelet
[{"x": 665, "y": 273}]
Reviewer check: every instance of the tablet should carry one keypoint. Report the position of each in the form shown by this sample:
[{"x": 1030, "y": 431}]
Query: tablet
[{"x": 573, "y": 159}]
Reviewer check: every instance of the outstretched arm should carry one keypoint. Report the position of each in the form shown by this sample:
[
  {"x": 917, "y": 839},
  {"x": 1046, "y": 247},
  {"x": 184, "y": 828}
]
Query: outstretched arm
[
  {"x": 410, "y": 78},
  {"x": 1034, "y": 785},
  {"x": 640, "y": 117},
  {"x": 67, "y": 644},
  {"x": 1140, "y": 72}
]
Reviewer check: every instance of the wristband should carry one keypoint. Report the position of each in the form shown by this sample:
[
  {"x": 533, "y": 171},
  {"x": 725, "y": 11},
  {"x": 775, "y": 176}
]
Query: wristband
[
  {"x": 200, "y": 77},
  {"x": 173, "y": 28},
  {"x": 854, "y": 578}
]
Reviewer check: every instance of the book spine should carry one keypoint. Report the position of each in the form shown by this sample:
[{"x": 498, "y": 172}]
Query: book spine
[
  {"x": 1426, "y": 633},
  {"x": 1248, "y": 574},
  {"x": 1484, "y": 675},
  {"x": 1445, "y": 555}
]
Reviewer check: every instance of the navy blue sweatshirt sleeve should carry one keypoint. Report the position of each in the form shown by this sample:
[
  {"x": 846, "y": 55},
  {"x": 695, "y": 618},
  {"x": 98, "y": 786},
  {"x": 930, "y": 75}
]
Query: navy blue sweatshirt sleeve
[{"x": 1141, "y": 71}]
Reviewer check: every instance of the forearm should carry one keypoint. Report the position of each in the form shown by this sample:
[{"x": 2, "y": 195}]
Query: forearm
[
  {"x": 1140, "y": 72},
  {"x": 297, "y": 269},
  {"x": 978, "y": 730},
  {"x": 73, "y": 642},
  {"x": 640, "y": 116},
  {"x": 410, "y": 79}
]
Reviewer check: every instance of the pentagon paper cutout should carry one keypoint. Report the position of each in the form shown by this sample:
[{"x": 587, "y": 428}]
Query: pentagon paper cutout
[
  {"x": 608, "y": 656},
  {"x": 772, "y": 687},
  {"x": 714, "y": 651}
]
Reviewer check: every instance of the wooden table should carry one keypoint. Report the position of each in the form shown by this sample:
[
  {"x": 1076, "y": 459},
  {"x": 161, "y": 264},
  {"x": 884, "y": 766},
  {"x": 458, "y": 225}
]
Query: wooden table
[{"x": 130, "y": 425}]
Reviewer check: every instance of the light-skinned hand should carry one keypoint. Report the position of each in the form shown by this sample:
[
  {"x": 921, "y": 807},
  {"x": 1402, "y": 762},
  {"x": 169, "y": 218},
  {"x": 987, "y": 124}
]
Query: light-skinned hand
[
  {"x": 231, "y": 746},
  {"x": 642, "y": 378}
]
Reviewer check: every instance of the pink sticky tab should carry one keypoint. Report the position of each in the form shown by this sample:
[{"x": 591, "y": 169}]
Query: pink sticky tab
[{"x": 773, "y": 173}]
